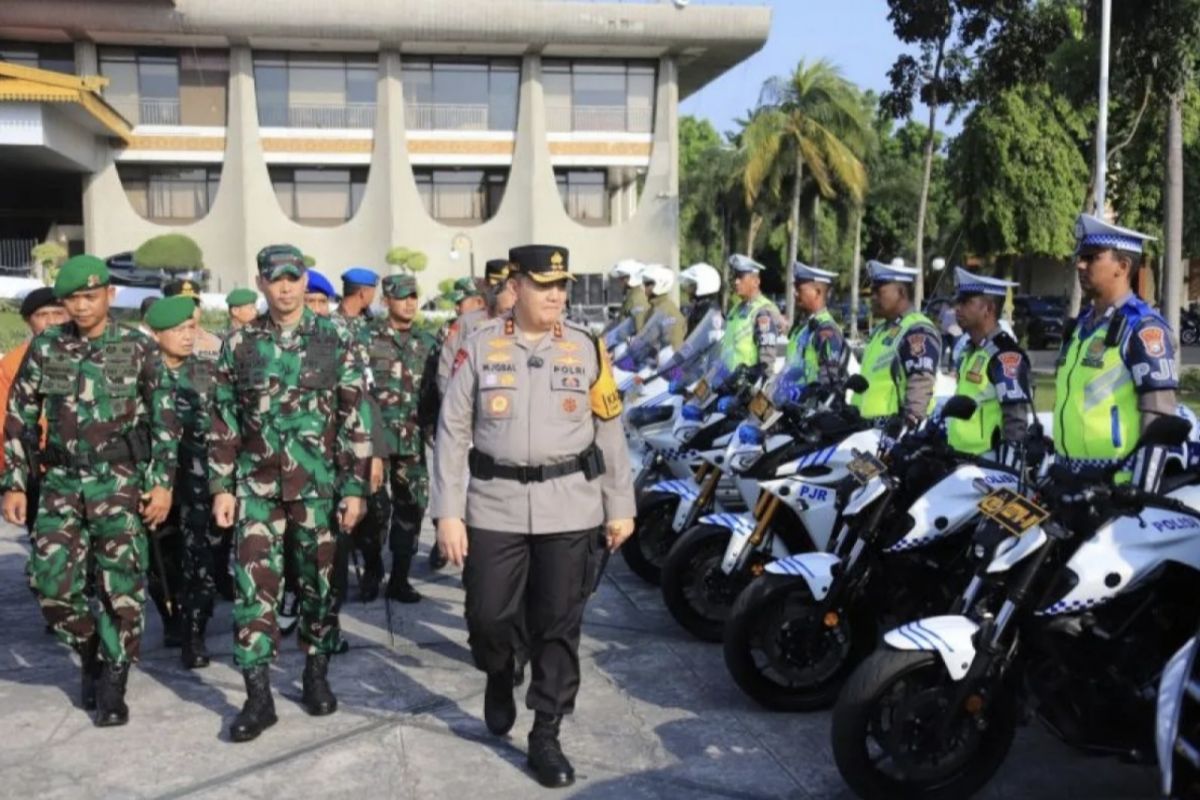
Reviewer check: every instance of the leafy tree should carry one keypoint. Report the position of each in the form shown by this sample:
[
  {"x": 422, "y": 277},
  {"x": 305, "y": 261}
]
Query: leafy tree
[
  {"x": 1019, "y": 168},
  {"x": 407, "y": 260},
  {"x": 170, "y": 251},
  {"x": 809, "y": 124},
  {"x": 310, "y": 261}
]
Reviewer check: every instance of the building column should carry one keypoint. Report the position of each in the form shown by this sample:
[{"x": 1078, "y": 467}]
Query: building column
[{"x": 87, "y": 61}]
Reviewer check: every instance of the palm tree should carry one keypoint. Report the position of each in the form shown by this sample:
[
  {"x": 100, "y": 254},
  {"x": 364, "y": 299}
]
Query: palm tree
[{"x": 808, "y": 125}]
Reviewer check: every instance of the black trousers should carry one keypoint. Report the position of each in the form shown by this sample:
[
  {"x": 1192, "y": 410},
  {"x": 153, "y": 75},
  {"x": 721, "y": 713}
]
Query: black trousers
[{"x": 542, "y": 581}]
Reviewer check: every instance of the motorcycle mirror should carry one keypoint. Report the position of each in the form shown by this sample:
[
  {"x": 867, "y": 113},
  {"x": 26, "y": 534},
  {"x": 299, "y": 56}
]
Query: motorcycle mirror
[
  {"x": 1166, "y": 431},
  {"x": 857, "y": 384},
  {"x": 959, "y": 407}
]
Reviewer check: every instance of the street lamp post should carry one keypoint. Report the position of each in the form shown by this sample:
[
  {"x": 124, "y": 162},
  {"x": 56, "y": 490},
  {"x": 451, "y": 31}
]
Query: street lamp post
[{"x": 456, "y": 246}]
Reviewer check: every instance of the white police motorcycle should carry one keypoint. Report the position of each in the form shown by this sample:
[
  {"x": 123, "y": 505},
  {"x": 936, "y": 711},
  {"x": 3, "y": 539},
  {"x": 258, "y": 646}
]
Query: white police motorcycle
[{"x": 1097, "y": 589}]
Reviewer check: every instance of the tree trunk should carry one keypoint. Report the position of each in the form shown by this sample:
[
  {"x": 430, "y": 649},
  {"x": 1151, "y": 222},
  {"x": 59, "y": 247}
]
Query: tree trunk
[
  {"x": 1172, "y": 273},
  {"x": 793, "y": 240},
  {"x": 855, "y": 267},
  {"x": 926, "y": 177},
  {"x": 756, "y": 222},
  {"x": 816, "y": 222}
]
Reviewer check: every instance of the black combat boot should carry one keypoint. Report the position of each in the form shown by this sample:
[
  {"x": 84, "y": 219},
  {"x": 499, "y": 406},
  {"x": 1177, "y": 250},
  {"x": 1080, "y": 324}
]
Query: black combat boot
[
  {"x": 89, "y": 671},
  {"x": 546, "y": 758},
  {"x": 398, "y": 587},
  {"x": 372, "y": 577},
  {"x": 195, "y": 650},
  {"x": 110, "y": 695},
  {"x": 318, "y": 697},
  {"x": 499, "y": 708},
  {"x": 258, "y": 712}
]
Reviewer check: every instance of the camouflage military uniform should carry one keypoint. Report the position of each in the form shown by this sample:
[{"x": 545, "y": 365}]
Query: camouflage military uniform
[
  {"x": 112, "y": 435},
  {"x": 290, "y": 432},
  {"x": 405, "y": 389},
  {"x": 190, "y": 564}
]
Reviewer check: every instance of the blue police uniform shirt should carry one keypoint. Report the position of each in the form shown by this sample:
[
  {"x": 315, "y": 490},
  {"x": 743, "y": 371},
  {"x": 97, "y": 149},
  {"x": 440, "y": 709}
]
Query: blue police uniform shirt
[
  {"x": 919, "y": 351},
  {"x": 1146, "y": 346}
]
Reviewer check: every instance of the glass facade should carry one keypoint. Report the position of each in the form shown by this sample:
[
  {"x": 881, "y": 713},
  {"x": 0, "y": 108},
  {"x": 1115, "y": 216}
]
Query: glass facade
[
  {"x": 170, "y": 194},
  {"x": 461, "y": 196},
  {"x": 40, "y": 55},
  {"x": 599, "y": 95},
  {"x": 315, "y": 90},
  {"x": 479, "y": 95},
  {"x": 319, "y": 195},
  {"x": 167, "y": 87},
  {"x": 584, "y": 193}
]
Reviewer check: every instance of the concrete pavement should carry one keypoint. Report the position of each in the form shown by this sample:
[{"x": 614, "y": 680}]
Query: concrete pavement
[{"x": 657, "y": 717}]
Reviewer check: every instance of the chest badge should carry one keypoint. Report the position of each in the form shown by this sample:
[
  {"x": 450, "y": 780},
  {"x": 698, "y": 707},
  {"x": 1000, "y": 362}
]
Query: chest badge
[
  {"x": 570, "y": 405},
  {"x": 498, "y": 405}
]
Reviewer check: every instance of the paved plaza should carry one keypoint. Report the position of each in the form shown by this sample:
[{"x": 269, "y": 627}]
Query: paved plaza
[{"x": 657, "y": 717}]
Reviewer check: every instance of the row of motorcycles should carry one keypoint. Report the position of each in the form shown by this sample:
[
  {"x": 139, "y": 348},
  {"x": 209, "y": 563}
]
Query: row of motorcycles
[{"x": 934, "y": 600}]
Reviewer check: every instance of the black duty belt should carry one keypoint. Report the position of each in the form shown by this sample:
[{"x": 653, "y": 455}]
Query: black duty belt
[{"x": 483, "y": 467}]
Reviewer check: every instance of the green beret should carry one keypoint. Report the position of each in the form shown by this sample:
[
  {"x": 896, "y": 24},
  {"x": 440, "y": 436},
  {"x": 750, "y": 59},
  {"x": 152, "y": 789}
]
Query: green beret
[
  {"x": 241, "y": 297},
  {"x": 169, "y": 312},
  {"x": 399, "y": 287},
  {"x": 79, "y": 273}
]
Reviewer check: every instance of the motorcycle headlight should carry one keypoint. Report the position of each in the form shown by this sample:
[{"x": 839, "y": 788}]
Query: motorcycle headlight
[
  {"x": 724, "y": 404},
  {"x": 692, "y": 413}
]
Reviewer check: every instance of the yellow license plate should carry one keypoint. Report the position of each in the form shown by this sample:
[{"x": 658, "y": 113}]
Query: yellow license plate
[
  {"x": 700, "y": 391},
  {"x": 1011, "y": 511},
  {"x": 864, "y": 466},
  {"x": 760, "y": 407}
]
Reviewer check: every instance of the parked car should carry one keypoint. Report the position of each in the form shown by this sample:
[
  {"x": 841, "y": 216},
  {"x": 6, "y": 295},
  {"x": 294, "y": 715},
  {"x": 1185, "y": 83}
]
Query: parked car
[
  {"x": 1189, "y": 325},
  {"x": 123, "y": 272},
  {"x": 1039, "y": 320}
]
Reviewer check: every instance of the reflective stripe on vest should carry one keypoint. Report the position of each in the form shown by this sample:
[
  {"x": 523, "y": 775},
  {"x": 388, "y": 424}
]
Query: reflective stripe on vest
[
  {"x": 887, "y": 385},
  {"x": 737, "y": 346},
  {"x": 975, "y": 435},
  {"x": 1096, "y": 417}
]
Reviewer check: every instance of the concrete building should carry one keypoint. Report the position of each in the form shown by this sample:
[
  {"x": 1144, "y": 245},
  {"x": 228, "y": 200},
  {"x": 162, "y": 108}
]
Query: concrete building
[{"x": 346, "y": 127}]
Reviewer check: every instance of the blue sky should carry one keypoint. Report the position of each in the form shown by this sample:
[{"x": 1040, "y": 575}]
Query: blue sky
[{"x": 854, "y": 34}]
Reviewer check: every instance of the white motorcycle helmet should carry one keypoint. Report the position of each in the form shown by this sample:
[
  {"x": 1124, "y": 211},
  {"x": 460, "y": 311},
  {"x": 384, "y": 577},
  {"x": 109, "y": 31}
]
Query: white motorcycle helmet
[
  {"x": 629, "y": 269},
  {"x": 705, "y": 278},
  {"x": 658, "y": 279}
]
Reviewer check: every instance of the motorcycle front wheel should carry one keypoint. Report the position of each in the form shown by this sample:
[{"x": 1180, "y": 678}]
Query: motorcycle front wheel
[
  {"x": 785, "y": 652},
  {"x": 652, "y": 536},
  {"x": 892, "y": 739},
  {"x": 1189, "y": 335},
  {"x": 696, "y": 591}
]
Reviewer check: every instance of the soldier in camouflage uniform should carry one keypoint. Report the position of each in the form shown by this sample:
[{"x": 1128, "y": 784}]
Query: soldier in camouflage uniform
[
  {"x": 189, "y": 376},
  {"x": 112, "y": 436},
  {"x": 290, "y": 432},
  {"x": 400, "y": 363},
  {"x": 471, "y": 303}
]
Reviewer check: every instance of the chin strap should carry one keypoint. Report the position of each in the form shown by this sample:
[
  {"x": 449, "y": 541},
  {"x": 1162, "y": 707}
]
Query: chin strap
[{"x": 1148, "y": 468}]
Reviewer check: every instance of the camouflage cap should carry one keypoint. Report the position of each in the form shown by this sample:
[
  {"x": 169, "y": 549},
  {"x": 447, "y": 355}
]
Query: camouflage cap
[
  {"x": 277, "y": 260},
  {"x": 79, "y": 273},
  {"x": 241, "y": 297},
  {"x": 399, "y": 287},
  {"x": 167, "y": 312}
]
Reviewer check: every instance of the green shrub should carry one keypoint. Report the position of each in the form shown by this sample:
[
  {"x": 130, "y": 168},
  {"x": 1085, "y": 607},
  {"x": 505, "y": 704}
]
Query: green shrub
[{"x": 171, "y": 251}]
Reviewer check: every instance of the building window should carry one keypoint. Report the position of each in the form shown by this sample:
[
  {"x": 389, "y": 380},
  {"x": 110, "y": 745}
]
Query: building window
[
  {"x": 39, "y": 55},
  {"x": 589, "y": 291},
  {"x": 170, "y": 194},
  {"x": 461, "y": 196},
  {"x": 472, "y": 95},
  {"x": 315, "y": 90},
  {"x": 164, "y": 87},
  {"x": 319, "y": 195},
  {"x": 584, "y": 193},
  {"x": 599, "y": 95}
]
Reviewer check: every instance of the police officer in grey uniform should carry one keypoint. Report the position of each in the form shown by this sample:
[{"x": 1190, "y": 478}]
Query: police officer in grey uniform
[{"x": 549, "y": 490}]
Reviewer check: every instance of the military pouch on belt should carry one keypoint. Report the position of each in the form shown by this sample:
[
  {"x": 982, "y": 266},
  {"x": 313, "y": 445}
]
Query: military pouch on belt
[{"x": 591, "y": 462}]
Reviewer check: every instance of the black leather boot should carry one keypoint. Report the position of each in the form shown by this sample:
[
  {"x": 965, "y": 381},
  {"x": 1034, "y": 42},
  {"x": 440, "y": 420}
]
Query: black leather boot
[
  {"x": 499, "y": 708},
  {"x": 89, "y": 672},
  {"x": 398, "y": 587},
  {"x": 258, "y": 712},
  {"x": 546, "y": 758},
  {"x": 195, "y": 651},
  {"x": 110, "y": 695},
  {"x": 318, "y": 697}
]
